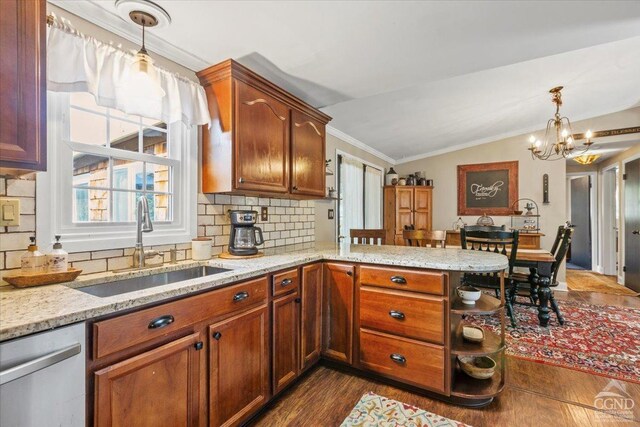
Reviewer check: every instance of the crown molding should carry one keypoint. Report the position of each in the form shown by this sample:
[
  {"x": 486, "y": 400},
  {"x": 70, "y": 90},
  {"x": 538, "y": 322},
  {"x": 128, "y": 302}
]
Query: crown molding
[
  {"x": 359, "y": 144},
  {"x": 112, "y": 22}
]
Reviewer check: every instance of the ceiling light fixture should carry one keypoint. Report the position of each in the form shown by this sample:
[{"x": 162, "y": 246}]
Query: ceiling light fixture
[
  {"x": 586, "y": 159},
  {"x": 559, "y": 140},
  {"x": 142, "y": 70}
]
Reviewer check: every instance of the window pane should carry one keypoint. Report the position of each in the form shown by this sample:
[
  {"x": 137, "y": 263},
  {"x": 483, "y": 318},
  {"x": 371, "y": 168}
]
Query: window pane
[
  {"x": 124, "y": 206},
  {"x": 90, "y": 170},
  {"x": 90, "y": 205},
  {"x": 162, "y": 207},
  {"x": 158, "y": 178},
  {"x": 155, "y": 142},
  {"x": 87, "y": 128},
  {"x": 125, "y": 174},
  {"x": 124, "y": 135},
  {"x": 85, "y": 100}
]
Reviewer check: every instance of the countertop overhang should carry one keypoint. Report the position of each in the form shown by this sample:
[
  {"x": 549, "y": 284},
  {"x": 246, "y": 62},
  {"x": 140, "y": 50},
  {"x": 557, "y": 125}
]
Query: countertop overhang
[{"x": 27, "y": 311}]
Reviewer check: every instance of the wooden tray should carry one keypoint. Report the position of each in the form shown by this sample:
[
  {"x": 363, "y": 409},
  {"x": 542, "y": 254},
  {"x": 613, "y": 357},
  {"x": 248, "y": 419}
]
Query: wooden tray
[
  {"x": 27, "y": 280},
  {"x": 227, "y": 255}
]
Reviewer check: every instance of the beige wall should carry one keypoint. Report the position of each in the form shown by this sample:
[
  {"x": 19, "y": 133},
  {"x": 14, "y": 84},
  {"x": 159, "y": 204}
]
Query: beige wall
[{"x": 326, "y": 228}]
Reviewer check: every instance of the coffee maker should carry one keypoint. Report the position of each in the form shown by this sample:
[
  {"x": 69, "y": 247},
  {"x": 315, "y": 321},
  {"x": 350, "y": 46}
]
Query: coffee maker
[{"x": 245, "y": 236}]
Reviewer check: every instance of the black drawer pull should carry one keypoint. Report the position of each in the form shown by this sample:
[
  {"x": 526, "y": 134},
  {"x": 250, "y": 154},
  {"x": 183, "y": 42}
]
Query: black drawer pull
[
  {"x": 286, "y": 282},
  {"x": 396, "y": 314},
  {"x": 217, "y": 335},
  {"x": 240, "y": 296},
  {"x": 398, "y": 358},
  {"x": 399, "y": 280},
  {"x": 161, "y": 322}
]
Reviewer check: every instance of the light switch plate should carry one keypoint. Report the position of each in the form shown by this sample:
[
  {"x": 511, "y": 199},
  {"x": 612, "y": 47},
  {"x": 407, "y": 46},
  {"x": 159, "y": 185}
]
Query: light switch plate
[{"x": 9, "y": 212}]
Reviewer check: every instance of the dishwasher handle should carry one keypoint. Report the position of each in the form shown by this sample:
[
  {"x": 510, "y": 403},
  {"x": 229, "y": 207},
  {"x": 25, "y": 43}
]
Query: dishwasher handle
[{"x": 41, "y": 362}]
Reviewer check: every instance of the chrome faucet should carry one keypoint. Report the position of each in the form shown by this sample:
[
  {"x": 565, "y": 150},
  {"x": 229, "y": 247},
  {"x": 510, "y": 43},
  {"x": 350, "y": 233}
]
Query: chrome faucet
[{"x": 144, "y": 225}]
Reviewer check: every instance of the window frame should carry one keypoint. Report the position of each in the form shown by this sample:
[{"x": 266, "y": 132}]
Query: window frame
[{"x": 54, "y": 216}]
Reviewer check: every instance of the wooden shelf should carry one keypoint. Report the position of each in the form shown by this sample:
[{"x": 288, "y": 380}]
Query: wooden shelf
[
  {"x": 485, "y": 305},
  {"x": 470, "y": 388},
  {"x": 492, "y": 343}
]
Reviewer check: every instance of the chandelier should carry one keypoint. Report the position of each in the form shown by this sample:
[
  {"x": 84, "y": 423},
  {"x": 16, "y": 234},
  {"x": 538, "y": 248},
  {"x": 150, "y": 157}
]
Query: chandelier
[
  {"x": 559, "y": 140},
  {"x": 586, "y": 159}
]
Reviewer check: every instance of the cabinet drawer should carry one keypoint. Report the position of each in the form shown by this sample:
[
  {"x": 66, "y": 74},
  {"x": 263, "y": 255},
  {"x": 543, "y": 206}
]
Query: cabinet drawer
[
  {"x": 408, "y": 314},
  {"x": 119, "y": 333},
  {"x": 431, "y": 282},
  {"x": 285, "y": 282},
  {"x": 409, "y": 361}
]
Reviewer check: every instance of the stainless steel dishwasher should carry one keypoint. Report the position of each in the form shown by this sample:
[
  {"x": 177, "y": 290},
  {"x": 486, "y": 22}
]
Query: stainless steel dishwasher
[{"x": 42, "y": 379}]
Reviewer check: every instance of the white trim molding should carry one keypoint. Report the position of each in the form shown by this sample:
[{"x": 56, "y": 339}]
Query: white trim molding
[{"x": 359, "y": 144}]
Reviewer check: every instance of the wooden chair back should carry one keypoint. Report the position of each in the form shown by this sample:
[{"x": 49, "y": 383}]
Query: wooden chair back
[
  {"x": 368, "y": 236},
  {"x": 485, "y": 227},
  {"x": 423, "y": 238},
  {"x": 563, "y": 248},
  {"x": 491, "y": 241},
  {"x": 559, "y": 236}
]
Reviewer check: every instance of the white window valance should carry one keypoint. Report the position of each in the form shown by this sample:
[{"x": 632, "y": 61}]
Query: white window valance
[{"x": 79, "y": 63}]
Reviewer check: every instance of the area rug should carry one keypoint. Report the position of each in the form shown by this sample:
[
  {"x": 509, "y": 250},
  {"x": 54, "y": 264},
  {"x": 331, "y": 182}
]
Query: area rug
[
  {"x": 374, "y": 410},
  {"x": 597, "y": 339},
  {"x": 588, "y": 281}
]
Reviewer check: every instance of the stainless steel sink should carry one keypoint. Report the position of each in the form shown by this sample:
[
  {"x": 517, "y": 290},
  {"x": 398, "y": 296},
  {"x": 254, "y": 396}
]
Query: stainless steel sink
[{"x": 151, "y": 281}]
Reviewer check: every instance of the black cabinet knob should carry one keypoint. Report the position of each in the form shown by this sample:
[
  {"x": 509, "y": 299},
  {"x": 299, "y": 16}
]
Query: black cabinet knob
[
  {"x": 217, "y": 335},
  {"x": 298, "y": 300},
  {"x": 199, "y": 345},
  {"x": 349, "y": 273}
]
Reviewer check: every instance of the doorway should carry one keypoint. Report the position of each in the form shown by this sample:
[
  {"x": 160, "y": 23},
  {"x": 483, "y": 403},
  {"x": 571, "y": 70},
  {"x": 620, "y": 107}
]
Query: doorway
[
  {"x": 581, "y": 243},
  {"x": 610, "y": 222},
  {"x": 631, "y": 179}
]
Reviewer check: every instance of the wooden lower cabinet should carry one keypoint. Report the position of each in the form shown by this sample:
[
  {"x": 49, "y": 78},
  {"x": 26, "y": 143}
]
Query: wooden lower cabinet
[
  {"x": 286, "y": 336},
  {"x": 239, "y": 367},
  {"x": 158, "y": 387},
  {"x": 311, "y": 315},
  {"x": 338, "y": 311}
]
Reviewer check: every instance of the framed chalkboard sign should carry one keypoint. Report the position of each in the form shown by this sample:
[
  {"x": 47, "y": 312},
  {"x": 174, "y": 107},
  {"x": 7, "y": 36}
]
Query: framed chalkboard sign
[{"x": 487, "y": 188}]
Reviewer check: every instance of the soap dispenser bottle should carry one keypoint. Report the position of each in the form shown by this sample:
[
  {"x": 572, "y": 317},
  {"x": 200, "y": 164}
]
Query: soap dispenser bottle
[
  {"x": 33, "y": 261},
  {"x": 58, "y": 259}
]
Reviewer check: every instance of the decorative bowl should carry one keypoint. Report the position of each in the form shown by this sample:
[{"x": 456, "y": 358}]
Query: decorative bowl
[
  {"x": 473, "y": 334},
  {"x": 468, "y": 294},
  {"x": 481, "y": 368},
  {"x": 517, "y": 212}
]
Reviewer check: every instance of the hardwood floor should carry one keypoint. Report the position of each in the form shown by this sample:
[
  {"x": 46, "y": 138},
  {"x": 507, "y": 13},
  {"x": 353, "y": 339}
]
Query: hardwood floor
[
  {"x": 588, "y": 281},
  {"x": 536, "y": 394}
]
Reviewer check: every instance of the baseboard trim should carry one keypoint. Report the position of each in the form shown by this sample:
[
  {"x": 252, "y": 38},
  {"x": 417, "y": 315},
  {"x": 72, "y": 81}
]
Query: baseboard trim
[{"x": 562, "y": 286}]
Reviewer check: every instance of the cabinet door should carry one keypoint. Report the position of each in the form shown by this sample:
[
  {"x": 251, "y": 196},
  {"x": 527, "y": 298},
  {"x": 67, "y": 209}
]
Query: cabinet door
[
  {"x": 286, "y": 321},
  {"x": 311, "y": 325},
  {"x": 404, "y": 208},
  {"x": 23, "y": 85},
  {"x": 338, "y": 311},
  {"x": 307, "y": 155},
  {"x": 239, "y": 367},
  {"x": 159, "y": 387},
  {"x": 422, "y": 209},
  {"x": 261, "y": 151}
]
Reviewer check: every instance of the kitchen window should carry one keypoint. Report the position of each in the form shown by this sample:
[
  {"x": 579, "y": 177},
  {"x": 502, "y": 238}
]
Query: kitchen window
[
  {"x": 101, "y": 161},
  {"x": 360, "y": 194}
]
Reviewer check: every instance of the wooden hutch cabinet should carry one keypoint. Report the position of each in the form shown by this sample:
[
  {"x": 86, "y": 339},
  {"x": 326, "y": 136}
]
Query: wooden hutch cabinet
[
  {"x": 262, "y": 140},
  {"x": 406, "y": 205},
  {"x": 23, "y": 111}
]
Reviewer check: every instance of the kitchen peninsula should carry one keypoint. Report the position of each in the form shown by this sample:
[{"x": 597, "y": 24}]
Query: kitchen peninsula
[{"x": 285, "y": 312}]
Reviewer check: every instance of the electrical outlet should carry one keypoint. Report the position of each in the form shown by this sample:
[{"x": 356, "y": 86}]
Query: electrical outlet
[
  {"x": 330, "y": 214},
  {"x": 264, "y": 213},
  {"x": 9, "y": 212}
]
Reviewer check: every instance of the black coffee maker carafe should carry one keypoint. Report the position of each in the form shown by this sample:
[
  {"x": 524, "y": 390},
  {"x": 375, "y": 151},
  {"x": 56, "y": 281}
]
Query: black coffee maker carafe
[{"x": 245, "y": 236}]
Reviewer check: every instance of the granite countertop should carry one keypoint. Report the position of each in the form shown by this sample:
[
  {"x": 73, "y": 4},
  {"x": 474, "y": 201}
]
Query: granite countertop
[{"x": 26, "y": 311}]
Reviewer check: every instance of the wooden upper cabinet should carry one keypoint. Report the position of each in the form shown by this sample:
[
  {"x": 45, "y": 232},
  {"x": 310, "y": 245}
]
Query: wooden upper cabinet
[
  {"x": 159, "y": 387},
  {"x": 307, "y": 155},
  {"x": 262, "y": 140},
  {"x": 261, "y": 152},
  {"x": 23, "y": 111},
  {"x": 338, "y": 311}
]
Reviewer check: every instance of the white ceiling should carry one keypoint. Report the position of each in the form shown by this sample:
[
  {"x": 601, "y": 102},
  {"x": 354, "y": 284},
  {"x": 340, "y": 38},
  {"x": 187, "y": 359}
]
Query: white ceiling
[{"x": 414, "y": 78}]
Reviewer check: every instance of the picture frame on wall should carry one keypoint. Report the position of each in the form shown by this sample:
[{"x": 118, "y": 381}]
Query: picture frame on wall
[{"x": 487, "y": 188}]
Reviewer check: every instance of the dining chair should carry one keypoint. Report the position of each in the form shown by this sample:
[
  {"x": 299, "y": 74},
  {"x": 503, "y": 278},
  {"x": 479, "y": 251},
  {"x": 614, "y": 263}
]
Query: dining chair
[
  {"x": 485, "y": 227},
  {"x": 368, "y": 236},
  {"x": 560, "y": 255},
  {"x": 497, "y": 241},
  {"x": 423, "y": 238}
]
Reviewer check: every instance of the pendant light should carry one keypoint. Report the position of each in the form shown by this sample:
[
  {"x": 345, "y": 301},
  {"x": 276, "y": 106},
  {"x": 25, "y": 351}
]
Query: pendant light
[{"x": 143, "y": 76}]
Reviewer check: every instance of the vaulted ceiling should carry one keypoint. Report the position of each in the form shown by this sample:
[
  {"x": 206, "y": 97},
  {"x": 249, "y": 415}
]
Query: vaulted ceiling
[{"x": 411, "y": 79}]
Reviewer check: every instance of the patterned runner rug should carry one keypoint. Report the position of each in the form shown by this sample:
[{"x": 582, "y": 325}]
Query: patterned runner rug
[
  {"x": 374, "y": 410},
  {"x": 598, "y": 339}
]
